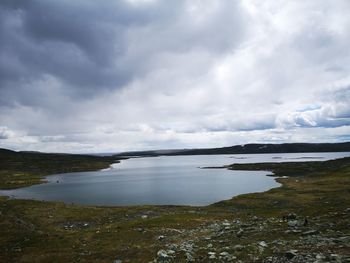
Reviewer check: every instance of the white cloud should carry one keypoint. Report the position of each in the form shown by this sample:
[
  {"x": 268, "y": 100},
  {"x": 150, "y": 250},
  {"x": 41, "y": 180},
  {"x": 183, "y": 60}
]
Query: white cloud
[{"x": 153, "y": 74}]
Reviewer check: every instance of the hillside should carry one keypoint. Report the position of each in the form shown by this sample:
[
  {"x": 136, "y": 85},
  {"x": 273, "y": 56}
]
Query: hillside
[
  {"x": 18, "y": 169},
  {"x": 250, "y": 149}
]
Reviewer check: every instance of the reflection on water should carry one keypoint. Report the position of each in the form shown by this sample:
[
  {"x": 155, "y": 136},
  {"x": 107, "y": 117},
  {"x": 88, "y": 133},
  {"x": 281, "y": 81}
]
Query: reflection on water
[{"x": 175, "y": 180}]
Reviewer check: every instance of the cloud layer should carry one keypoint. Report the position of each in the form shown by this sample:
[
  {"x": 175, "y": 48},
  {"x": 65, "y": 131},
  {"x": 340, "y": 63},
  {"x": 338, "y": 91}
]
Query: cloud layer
[{"x": 88, "y": 76}]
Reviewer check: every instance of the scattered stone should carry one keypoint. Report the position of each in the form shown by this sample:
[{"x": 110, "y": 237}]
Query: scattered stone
[
  {"x": 226, "y": 256},
  {"x": 293, "y": 231},
  {"x": 139, "y": 229},
  {"x": 161, "y": 237},
  {"x": 239, "y": 233},
  {"x": 117, "y": 261},
  {"x": 293, "y": 223},
  {"x": 291, "y": 216},
  {"x": 320, "y": 257},
  {"x": 255, "y": 218},
  {"x": 189, "y": 257},
  {"x": 262, "y": 244},
  {"x": 144, "y": 216},
  {"x": 291, "y": 254},
  {"x": 238, "y": 247},
  {"x": 163, "y": 255},
  {"x": 310, "y": 232},
  {"x": 212, "y": 255}
]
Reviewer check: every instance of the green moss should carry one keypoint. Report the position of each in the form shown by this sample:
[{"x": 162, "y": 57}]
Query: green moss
[
  {"x": 56, "y": 232},
  {"x": 18, "y": 169}
]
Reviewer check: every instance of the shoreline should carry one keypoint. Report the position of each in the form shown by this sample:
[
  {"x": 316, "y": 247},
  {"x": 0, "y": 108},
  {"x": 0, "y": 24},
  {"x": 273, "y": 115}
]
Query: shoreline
[
  {"x": 267, "y": 167},
  {"x": 246, "y": 228}
]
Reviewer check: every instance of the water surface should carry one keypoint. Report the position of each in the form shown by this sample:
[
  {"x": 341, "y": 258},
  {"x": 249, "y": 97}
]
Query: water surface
[{"x": 165, "y": 180}]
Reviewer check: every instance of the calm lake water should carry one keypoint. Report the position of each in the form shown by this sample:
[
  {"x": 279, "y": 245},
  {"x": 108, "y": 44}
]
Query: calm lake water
[{"x": 165, "y": 180}]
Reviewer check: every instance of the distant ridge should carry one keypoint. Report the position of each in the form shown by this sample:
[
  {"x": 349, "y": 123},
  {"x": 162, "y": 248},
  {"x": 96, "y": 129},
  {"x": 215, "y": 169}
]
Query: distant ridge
[
  {"x": 250, "y": 149},
  {"x": 6, "y": 151}
]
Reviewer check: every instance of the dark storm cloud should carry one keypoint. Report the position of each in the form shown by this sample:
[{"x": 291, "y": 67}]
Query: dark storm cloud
[
  {"x": 84, "y": 44},
  {"x": 143, "y": 73},
  {"x": 77, "y": 44}
]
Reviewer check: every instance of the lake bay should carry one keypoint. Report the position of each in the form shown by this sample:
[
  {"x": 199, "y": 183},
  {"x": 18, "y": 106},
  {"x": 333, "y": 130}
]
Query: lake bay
[{"x": 164, "y": 180}]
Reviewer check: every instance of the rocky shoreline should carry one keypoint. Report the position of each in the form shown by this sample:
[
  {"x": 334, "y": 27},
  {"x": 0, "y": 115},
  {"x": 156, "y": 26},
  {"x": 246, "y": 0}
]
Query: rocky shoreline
[{"x": 230, "y": 241}]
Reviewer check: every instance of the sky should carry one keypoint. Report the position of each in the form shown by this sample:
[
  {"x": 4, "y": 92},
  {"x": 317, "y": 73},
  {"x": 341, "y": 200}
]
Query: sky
[{"x": 89, "y": 76}]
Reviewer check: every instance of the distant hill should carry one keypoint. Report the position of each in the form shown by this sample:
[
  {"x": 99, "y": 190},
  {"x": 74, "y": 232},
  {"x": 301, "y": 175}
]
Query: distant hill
[
  {"x": 18, "y": 169},
  {"x": 6, "y": 152},
  {"x": 250, "y": 149}
]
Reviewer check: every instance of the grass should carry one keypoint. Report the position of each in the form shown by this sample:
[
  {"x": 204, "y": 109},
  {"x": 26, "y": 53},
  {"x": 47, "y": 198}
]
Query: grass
[
  {"x": 35, "y": 231},
  {"x": 19, "y": 169}
]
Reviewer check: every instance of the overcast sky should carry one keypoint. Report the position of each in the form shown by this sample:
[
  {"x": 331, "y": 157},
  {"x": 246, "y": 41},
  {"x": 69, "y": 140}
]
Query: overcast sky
[{"x": 111, "y": 76}]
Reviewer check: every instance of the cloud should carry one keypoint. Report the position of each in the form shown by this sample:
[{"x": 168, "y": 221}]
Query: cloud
[
  {"x": 136, "y": 74},
  {"x": 6, "y": 133},
  {"x": 331, "y": 110}
]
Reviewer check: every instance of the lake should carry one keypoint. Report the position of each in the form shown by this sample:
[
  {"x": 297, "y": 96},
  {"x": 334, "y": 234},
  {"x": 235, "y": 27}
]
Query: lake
[{"x": 164, "y": 180}]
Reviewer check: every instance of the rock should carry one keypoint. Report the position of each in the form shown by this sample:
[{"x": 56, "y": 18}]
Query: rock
[
  {"x": 227, "y": 256},
  {"x": 173, "y": 247},
  {"x": 189, "y": 257},
  {"x": 262, "y": 244},
  {"x": 212, "y": 255},
  {"x": 293, "y": 223},
  {"x": 144, "y": 216},
  {"x": 117, "y": 261},
  {"x": 291, "y": 254},
  {"x": 239, "y": 233},
  {"x": 163, "y": 255},
  {"x": 291, "y": 216},
  {"x": 238, "y": 247},
  {"x": 255, "y": 218},
  {"x": 310, "y": 232},
  {"x": 320, "y": 256},
  {"x": 161, "y": 237},
  {"x": 293, "y": 231}
]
